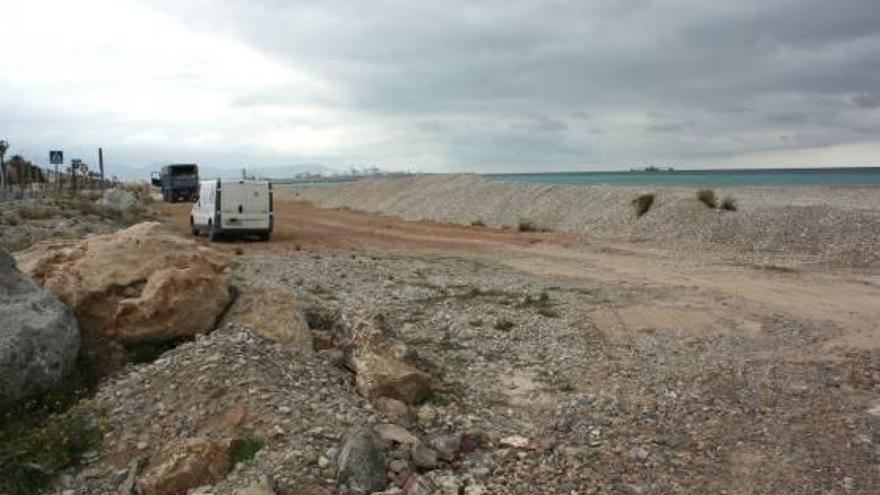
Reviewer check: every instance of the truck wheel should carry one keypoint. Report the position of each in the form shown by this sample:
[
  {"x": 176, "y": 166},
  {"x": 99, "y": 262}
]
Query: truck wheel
[
  {"x": 192, "y": 226},
  {"x": 265, "y": 236}
]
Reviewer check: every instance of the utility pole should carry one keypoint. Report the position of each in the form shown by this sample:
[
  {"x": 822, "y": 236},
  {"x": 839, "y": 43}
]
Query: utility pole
[
  {"x": 101, "y": 164},
  {"x": 4, "y": 145},
  {"x": 74, "y": 170},
  {"x": 21, "y": 175}
]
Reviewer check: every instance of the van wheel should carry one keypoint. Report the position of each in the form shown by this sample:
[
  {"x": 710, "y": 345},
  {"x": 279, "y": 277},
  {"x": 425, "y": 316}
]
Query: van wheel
[
  {"x": 264, "y": 236},
  {"x": 192, "y": 226}
]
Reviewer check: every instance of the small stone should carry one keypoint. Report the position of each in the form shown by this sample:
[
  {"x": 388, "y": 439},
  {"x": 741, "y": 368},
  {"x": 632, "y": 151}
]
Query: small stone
[
  {"x": 426, "y": 415},
  {"x": 235, "y": 415},
  {"x": 475, "y": 490},
  {"x": 262, "y": 487},
  {"x": 361, "y": 464},
  {"x": 423, "y": 456},
  {"x": 639, "y": 453},
  {"x": 394, "y": 410},
  {"x": 446, "y": 446},
  {"x": 393, "y": 433},
  {"x": 398, "y": 466},
  {"x": 323, "y": 462},
  {"x": 418, "y": 485},
  {"x": 391, "y": 491},
  {"x": 185, "y": 464},
  {"x": 333, "y": 356},
  {"x": 322, "y": 340},
  {"x": 447, "y": 482},
  {"x": 515, "y": 441}
]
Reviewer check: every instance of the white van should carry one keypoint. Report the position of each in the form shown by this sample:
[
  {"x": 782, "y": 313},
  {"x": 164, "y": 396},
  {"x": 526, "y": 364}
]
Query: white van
[{"x": 233, "y": 207}]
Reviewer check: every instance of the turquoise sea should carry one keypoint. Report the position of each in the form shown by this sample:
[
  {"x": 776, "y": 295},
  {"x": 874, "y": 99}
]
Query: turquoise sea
[{"x": 729, "y": 177}]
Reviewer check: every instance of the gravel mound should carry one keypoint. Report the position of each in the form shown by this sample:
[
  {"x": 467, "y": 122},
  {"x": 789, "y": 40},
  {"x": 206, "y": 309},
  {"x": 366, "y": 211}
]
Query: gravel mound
[{"x": 841, "y": 224}]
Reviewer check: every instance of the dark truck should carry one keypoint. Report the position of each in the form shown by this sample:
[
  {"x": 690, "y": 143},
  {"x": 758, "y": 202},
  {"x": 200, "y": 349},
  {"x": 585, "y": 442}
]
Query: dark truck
[{"x": 179, "y": 182}]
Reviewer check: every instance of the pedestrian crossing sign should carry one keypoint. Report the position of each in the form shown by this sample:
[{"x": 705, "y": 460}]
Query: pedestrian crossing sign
[{"x": 56, "y": 157}]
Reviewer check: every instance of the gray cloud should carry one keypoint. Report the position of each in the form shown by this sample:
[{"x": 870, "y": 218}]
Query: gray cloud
[
  {"x": 867, "y": 100},
  {"x": 565, "y": 83},
  {"x": 538, "y": 122}
]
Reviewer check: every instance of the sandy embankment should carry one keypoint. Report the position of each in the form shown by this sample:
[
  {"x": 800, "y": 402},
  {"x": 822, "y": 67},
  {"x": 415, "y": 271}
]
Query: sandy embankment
[{"x": 840, "y": 223}]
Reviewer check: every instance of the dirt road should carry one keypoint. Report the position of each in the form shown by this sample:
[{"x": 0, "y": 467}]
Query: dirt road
[{"x": 703, "y": 293}]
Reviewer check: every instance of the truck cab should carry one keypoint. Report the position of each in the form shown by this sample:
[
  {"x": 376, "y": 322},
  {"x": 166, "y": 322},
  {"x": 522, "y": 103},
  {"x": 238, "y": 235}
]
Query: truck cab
[
  {"x": 233, "y": 207},
  {"x": 179, "y": 182}
]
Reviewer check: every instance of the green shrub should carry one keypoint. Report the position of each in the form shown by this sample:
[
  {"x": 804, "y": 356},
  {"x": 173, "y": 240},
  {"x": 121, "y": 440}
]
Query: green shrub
[
  {"x": 244, "y": 449},
  {"x": 542, "y": 304},
  {"x": 504, "y": 325},
  {"x": 526, "y": 225},
  {"x": 41, "y": 437},
  {"x": 30, "y": 457},
  {"x": 707, "y": 197},
  {"x": 642, "y": 204},
  {"x": 728, "y": 203}
]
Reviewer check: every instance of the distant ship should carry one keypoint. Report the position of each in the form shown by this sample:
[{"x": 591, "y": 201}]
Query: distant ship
[{"x": 652, "y": 168}]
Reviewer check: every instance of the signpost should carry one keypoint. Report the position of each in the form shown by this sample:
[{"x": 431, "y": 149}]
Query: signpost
[
  {"x": 56, "y": 157},
  {"x": 75, "y": 165}
]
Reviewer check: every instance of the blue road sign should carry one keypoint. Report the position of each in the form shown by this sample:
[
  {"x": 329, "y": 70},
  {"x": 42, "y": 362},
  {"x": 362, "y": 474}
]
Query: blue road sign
[{"x": 56, "y": 157}]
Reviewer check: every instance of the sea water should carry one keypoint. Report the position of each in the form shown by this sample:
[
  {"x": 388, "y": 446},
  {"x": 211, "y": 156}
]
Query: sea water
[{"x": 729, "y": 177}]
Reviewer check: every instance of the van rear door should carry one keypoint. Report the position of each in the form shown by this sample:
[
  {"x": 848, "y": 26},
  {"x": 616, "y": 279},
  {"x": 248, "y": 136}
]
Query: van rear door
[{"x": 245, "y": 205}]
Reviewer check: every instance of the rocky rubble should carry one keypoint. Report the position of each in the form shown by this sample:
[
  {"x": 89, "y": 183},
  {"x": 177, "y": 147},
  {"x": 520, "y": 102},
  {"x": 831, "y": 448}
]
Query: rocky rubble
[
  {"x": 39, "y": 339},
  {"x": 545, "y": 403}
]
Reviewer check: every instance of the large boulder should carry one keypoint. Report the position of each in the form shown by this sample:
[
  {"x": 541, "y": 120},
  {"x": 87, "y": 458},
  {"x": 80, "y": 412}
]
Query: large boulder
[
  {"x": 381, "y": 362},
  {"x": 361, "y": 462},
  {"x": 139, "y": 284},
  {"x": 382, "y": 375},
  {"x": 39, "y": 340},
  {"x": 274, "y": 314},
  {"x": 185, "y": 464}
]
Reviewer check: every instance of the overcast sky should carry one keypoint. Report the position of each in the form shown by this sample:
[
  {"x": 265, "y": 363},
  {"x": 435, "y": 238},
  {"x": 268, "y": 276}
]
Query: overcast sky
[{"x": 444, "y": 85}]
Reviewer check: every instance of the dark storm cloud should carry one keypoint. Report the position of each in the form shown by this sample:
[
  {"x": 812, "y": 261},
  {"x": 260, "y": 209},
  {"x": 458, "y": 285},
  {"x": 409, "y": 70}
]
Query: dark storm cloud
[
  {"x": 570, "y": 82},
  {"x": 867, "y": 100}
]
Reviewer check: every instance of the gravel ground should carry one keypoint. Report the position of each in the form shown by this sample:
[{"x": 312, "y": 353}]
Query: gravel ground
[
  {"x": 840, "y": 225},
  {"x": 558, "y": 401}
]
